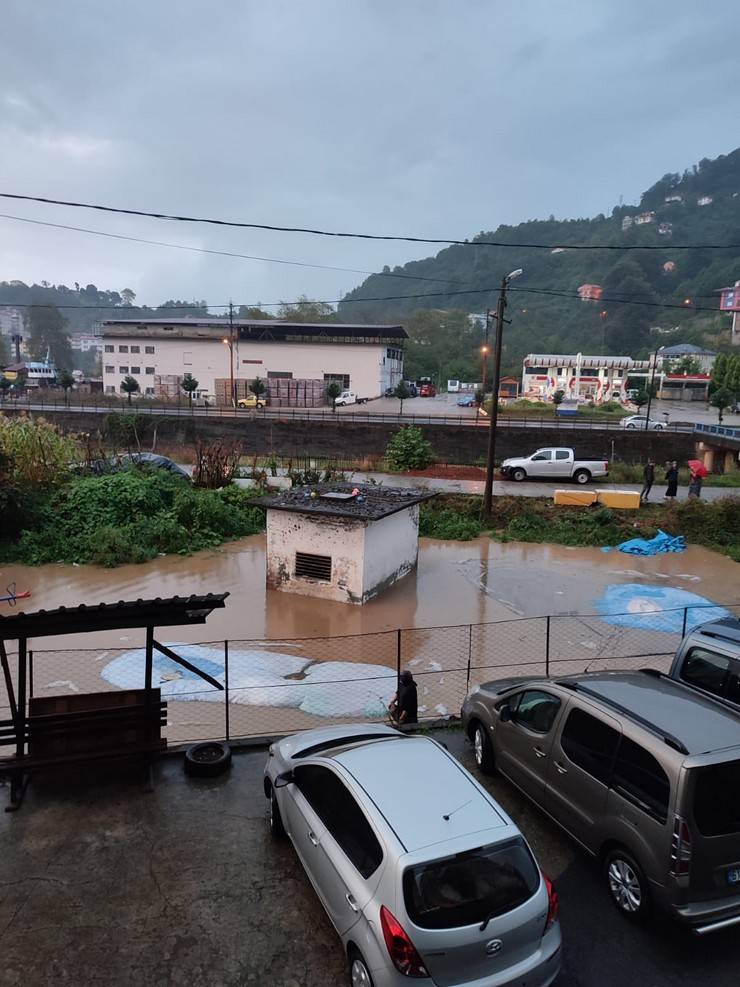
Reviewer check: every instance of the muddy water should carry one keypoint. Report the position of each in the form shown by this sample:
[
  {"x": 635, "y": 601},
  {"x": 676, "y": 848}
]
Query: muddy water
[{"x": 456, "y": 583}]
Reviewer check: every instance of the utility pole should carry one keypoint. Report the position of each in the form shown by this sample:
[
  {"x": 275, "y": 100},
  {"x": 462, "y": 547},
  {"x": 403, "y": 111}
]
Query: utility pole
[
  {"x": 650, "y": 389},
  {"x": 500, "y": 309},
  {"x": 484, "y": 353},
  {"x": 231, "y": 352}
]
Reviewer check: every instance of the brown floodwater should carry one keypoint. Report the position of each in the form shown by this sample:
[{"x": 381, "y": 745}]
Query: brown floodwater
[{"x": 456, "y": 583}]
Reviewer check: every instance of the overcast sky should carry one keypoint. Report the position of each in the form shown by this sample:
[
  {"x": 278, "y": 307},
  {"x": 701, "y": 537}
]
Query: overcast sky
[{"x": 415, "y": 117}]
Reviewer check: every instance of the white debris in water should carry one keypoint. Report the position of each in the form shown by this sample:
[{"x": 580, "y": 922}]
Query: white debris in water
[
  {"x": 414, "y": 662},
  {"x": 348, "y": 688},
  {"x": 588, "y": 644},
  {"x": 58, "y": 685},
  {"x": 425, "y": 691},
  {"x": 441, "y": 709},
  {"x": 689, "y": 576},
  {"x": 434, "y": 666}
]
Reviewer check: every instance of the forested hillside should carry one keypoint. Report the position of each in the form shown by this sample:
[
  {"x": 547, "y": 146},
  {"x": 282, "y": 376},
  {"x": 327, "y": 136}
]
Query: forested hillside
[{"x": 543, "y": 322}]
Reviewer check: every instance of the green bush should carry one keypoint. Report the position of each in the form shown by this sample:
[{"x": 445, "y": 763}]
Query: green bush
[
  {"x": 409, "y": 450},
  {"x": 448, "y": 524}
]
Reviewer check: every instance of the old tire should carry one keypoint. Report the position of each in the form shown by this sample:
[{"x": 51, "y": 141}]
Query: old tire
[
  {"x": 518, "y": 474},
  {"x": 359, "y": 972},
  {"x": 482, "y": 749},
  {"x": 207, "y": 760},
  {"x": 627, "y": 885},
  {"x": 581, "y": 476},
  {"x": 277, "y": 830}
]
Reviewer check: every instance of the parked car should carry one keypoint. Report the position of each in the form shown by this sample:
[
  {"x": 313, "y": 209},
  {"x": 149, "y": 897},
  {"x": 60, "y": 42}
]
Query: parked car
[
  {"x": 638, "y": 421},
  {"x": 554, "y": 464},
  {"x": 708, "y": 659},
  {"x": 467, "y": 401},
  {"x": 642, "y": 771},
  {"x": 420, "y": 880},
  {"x": 346, "y": 397},
  {"x": 427, "y": 391},
  {"x": 252, "y": 401}
]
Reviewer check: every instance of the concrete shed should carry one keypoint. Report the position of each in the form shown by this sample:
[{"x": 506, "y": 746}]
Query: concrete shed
[{"x": 341, "y": 542}]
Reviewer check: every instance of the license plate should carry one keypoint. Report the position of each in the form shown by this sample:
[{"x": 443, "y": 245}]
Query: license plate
[{"x": 733, "y": 875}]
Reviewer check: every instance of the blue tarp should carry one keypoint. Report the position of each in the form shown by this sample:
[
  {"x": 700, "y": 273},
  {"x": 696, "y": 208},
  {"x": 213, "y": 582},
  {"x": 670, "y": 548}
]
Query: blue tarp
[{"x": 654, "y": 546}]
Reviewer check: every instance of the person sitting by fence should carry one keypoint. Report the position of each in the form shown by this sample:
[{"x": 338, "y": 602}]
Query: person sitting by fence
[{"x": 404, "y": 705}]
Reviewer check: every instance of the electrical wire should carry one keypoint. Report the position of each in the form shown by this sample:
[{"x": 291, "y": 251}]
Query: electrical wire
[{"x": 449, "y": 241}]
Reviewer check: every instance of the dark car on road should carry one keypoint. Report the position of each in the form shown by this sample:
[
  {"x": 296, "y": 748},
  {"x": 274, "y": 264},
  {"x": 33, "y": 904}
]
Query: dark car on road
[{"x": 641, "y": 770}]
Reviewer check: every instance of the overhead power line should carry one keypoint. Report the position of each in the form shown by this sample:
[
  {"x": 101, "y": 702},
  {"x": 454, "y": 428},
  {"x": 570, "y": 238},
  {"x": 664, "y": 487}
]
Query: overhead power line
[{"x": 448, "y": 241}]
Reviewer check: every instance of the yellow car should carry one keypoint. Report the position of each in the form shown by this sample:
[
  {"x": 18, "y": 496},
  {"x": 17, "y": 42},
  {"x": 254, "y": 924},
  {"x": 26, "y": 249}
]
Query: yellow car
[{"x": 251, "y": 401}]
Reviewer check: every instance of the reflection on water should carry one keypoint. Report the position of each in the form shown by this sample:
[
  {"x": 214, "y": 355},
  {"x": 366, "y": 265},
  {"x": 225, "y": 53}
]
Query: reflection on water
[{"x": 456, "y": 583}]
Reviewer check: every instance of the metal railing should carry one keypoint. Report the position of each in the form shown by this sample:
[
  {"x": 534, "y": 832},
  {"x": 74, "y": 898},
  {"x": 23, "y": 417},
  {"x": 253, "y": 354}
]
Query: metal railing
[
  {"x": 273, "y": 687},
  {"x": 102, "y": 404}
]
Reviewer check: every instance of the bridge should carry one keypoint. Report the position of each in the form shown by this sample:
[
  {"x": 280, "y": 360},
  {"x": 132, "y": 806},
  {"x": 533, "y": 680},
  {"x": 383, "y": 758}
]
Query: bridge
[{"x": 715, "y": 442}]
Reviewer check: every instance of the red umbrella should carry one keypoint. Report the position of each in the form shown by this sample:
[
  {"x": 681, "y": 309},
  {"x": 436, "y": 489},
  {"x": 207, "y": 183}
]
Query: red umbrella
[{"x": 698, "y": 468}]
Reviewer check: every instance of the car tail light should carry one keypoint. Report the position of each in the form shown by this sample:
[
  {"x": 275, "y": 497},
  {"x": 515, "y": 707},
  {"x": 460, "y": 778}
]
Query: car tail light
[
  {"x": 400, "y": 948},
  {"x": 552, "y": 903},
  {"x": 606, "y": 465},
  {"x": 680, "y": 847}
]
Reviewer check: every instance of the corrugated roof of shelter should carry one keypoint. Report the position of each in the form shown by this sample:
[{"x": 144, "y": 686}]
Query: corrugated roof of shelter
[
  {"x": 158, "y": 612},
  {"x": 563, "y": 359},
  {"x": 372, "y": 503},
  {"x": 685, "y": 349}
]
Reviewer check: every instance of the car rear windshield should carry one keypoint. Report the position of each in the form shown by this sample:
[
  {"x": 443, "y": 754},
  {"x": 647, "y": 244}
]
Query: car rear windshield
[
  {"x": 469, "y": 887},
  {"x": 717, "y": 799}
]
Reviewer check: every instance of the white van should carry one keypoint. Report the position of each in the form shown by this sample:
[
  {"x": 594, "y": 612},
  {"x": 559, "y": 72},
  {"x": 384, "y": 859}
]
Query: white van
[{"x": 347, "y": 397}]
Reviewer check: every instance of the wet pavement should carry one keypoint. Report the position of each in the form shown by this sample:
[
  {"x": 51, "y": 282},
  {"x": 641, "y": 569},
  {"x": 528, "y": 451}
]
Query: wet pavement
[{"x": 107, "y": 885}]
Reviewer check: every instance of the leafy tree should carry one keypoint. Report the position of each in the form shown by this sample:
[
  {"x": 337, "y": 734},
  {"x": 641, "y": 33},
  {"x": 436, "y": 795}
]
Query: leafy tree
[
  {"x": 5, "y": 385},
  {"x": 66, "y": 381},
  {"x": 641, "y": 398},
  {"x": 732, "y": 377},
  {"x": 258, "y": 387},
  {"x": 402, "y": 392},
  {"x": 305, "y": 310},
  {"x": 128, "y": 296},
  {"x": 721, "y": 399},
  {"x": 189, "y": 384},
  {"x": 719, "y": 370},
  {"x": 409, "y": 450},
  {"x": 557, "y": 397},
  {"x": 480, "y": 397},
  {"x": 333, "y": 390},
  {"x": 129, "y": 386},
  {"x": 46, "y": 328}
]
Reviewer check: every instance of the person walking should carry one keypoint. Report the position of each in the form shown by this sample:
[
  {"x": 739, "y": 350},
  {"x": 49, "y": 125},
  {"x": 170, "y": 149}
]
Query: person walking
[
  {"x": 648, "y": 477},
  {"x": 671, "y": 479},
  {"x": 695, "y": 483}
]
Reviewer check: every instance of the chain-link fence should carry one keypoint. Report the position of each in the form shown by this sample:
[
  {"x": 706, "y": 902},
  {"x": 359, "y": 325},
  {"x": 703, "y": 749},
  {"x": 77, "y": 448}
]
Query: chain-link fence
[{"x": 280, "y": 686}]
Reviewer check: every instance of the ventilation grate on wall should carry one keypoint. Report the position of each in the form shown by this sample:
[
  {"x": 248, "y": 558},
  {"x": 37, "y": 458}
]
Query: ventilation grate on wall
[{"x": 311, "y": 566}]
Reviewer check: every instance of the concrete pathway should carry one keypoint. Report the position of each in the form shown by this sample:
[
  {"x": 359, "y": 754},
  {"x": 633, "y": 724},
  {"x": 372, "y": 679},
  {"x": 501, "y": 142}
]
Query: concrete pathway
[{"x": 508, "y": 488}]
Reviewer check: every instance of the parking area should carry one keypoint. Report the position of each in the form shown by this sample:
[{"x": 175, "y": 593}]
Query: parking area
[{"x": 111, "y": 885}]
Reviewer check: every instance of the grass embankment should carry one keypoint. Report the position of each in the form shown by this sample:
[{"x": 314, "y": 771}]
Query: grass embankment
[
  {"x": 130, "y": 516},
  {"x": 626, "y": 473},
  {"x": 457, "y": 517}
]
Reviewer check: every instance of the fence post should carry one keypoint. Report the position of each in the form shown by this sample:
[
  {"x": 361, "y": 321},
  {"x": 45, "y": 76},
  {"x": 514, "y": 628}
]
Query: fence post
[
  {"x": 470, "y": 652},
  {"x": 547, "y": 646},
  {"x": 398, "y": 659},
  {"x": 30, "y": 674},
  {"x": 226, "y": 687},
  {"x": 685, "y": 621}
]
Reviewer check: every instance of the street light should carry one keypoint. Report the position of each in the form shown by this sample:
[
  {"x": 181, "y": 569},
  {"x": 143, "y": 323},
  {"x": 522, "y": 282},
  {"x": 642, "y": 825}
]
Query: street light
[{"x": 500, "y": 308}]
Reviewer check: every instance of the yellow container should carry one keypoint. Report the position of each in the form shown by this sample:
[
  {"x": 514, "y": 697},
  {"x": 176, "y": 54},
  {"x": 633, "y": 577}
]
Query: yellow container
[
  {"x": 626, "y": 500},
  {"x": 579, "y": 498}
]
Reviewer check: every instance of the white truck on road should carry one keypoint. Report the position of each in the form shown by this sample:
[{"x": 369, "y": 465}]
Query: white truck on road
[{"x": 554, "y": 464}]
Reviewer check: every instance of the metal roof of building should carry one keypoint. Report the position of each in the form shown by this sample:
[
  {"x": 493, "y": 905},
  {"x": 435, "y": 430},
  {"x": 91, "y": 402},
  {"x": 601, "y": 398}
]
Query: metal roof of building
[
  {"x": 264, "y": 329},
  {"x": 684, "y": 349},
  {"x": 371, "y": 504},
  {"x": 586, "y": 360},
  {"x": 159, "y": 612}
]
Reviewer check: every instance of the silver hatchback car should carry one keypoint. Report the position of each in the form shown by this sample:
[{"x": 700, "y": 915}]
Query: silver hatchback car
[{"x": 422, "y": 874}]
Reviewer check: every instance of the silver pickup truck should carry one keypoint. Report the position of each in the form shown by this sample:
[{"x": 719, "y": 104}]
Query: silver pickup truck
[{"x": 554, "y": 464}]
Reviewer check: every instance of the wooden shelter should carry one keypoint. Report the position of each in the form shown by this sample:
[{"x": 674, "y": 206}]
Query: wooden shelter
[{"x": 58, "y": 731}]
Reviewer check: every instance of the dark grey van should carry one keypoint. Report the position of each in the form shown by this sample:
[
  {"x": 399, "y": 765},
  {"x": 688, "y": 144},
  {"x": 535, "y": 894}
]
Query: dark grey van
[
  {"x": 643, "y": 771},
  {"x": 708, "y": 659}
]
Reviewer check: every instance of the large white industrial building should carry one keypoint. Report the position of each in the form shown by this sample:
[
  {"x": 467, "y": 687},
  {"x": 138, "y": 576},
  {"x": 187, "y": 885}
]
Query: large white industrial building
[{"x": 157, "y": 353}]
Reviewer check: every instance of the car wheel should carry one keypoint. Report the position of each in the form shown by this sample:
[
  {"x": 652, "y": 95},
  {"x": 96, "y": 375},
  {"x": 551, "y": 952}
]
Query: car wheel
[
  {"x": 518, "y": 474},
  {"x": 259, "y": 405},
  {"x": 482, "y": 749},
  {"x": 359, "y": 974},
  {"x": 277, "y": 830},
  {"x": 581, "y": 476},
  {"x": 207, "y": 760},
  {"x": 627, "y": 885},
  {"x": 631, "y": 425},
  {"x": 659, "y": 427}
]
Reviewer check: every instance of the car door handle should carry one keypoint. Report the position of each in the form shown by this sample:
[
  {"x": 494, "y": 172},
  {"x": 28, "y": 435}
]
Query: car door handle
[
  {"x": 312, "y": 838},
  {"x": 539, "y": 752},
  {"x": 560, "y": 768},
  {"x": 351, "y": 902}
]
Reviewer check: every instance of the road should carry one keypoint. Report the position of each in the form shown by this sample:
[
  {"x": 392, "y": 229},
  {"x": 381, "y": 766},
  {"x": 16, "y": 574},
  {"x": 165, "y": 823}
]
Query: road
[{"x": 417, "y": 411}]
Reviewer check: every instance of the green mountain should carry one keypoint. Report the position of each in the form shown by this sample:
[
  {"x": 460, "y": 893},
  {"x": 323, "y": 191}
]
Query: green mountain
[{"x": 468, "y": 279}]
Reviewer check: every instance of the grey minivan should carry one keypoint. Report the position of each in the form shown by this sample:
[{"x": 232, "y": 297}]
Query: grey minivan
[
  {"x": 641, "y": 770},
  {"x": 708, "y": 659},
  {"x": 422, "y": 874}
]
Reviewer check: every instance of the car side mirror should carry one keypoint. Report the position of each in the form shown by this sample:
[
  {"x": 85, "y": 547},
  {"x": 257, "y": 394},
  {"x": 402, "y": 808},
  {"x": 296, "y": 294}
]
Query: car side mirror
[
  {"x": 504, "y": 714},
  {"x": 286, "y": 778}
]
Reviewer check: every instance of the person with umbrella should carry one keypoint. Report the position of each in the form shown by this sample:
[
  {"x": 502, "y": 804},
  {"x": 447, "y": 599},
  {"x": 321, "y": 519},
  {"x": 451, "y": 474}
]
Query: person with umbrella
[{"x": 698, "y": 471}]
